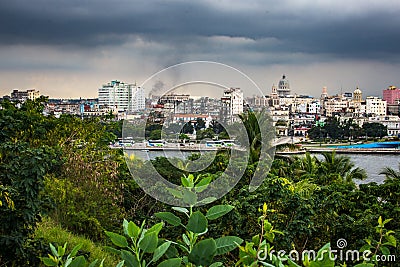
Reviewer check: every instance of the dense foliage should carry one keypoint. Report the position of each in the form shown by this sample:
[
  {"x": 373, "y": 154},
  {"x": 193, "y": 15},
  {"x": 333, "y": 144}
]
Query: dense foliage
[
  {"x": 335, "y": 129},
  {"x": 64, "y": 170}
]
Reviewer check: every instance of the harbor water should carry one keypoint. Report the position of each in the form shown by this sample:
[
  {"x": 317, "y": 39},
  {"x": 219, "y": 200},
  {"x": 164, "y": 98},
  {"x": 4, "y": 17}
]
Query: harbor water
[{"x": 372, "y": 163}]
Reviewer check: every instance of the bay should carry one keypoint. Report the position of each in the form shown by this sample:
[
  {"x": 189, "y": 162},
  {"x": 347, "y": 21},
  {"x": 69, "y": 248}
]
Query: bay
[{"x": 372, "y": 163}]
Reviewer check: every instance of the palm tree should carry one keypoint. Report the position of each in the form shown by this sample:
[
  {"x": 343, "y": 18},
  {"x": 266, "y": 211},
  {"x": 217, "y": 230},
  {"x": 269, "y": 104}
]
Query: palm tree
[
  {"x": 281, "y": 167},
  {"x": 391, "y": 174},
  {"x": 306, "y": 167},
  {"x": 259, "y": 132},
  {"x": 339, "y": 168},
  {"x": 391, "y": 186},
  {"x": 305, "y": 188}
]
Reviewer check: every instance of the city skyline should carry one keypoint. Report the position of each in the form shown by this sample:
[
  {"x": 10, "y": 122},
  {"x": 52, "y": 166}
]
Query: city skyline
[{"x": 69, "y": 49}]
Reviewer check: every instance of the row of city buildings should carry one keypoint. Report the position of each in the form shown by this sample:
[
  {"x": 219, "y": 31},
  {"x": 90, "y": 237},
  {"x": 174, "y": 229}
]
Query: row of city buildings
[{"x": 291, "y": 113}]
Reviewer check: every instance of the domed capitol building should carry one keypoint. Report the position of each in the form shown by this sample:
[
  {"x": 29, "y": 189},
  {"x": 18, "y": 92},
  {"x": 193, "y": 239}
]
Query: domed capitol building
[{"x": 283, "y": 87}]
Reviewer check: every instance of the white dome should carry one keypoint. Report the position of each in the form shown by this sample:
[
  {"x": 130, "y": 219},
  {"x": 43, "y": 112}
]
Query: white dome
[{"x": 357, "y": 91}]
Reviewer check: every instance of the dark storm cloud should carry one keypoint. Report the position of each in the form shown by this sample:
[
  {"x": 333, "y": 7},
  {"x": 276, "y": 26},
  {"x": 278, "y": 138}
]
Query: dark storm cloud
[{"x": 187, "y": 25}]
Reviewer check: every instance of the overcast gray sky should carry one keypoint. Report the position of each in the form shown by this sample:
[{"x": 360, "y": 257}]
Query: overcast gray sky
[{"x": 68, "y": 48}]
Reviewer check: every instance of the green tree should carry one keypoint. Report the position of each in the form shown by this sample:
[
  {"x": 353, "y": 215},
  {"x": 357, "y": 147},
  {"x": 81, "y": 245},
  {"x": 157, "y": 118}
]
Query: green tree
[
  {"x": 216, "y": 126},
  {"x": 183, "y": 137},
  {"x": 22, "y": 172},
  {"x": 155, "y": 134},
  {"x": 187, "y": 128},
  {"x": 200, "y": 124},
  {"x": 374, "y": 129},
  {"x": 205, "y": 134},
  {"x": 24, "y": 163}
]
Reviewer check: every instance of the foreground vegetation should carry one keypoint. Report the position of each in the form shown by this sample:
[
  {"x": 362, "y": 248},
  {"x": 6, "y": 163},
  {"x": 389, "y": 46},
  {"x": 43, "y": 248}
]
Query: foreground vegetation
[{"x": 61, "y": 183}]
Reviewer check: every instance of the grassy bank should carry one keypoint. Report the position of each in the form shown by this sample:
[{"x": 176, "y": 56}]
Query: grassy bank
[{"x": 53, "y": 233}]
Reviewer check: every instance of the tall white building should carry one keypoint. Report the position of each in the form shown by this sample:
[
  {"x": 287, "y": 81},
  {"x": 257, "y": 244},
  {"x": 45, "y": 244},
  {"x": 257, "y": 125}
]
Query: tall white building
[
  {"x": 232, "y": 103},
  {"x": 122, "y": 96},
  {"x": 314, "y": 107},
  {"x": 375, "y": 105},
  {"x": 335, "y": 104}
]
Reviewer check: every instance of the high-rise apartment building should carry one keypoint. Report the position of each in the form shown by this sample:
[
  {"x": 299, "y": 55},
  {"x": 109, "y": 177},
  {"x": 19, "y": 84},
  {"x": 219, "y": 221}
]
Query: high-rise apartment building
[
  {"x": 122, "y": 96},
  {"x": 232, "y": 104}
]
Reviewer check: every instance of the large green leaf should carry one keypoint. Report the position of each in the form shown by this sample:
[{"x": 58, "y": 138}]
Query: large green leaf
[
  {"x": 180, "y": 209},
  {"x": 155, "y": 229},
  {"x": 324, "y": 257},
  {"x": 75, "y": 250},
  {"x": 189, "y": 197},
  {"x": 78, "y": 262},
  {"x": 203, "y": 252},
  {"x": 218, "y": 211},
  {"x": 197, "y": 223},
  {"x": 174, "y": 262},
  {"x": 203, "y": 184},
  {"x": 129, "y": 259},
  {"x": 131, "y": 229},
  {"x": 160, "y": 251},
  {"x": 53, "y": 250},
  {"x": 169, "y": 218},
  {"x": 117, "y": 239},
  {"x": 227, "y": 243},
  {"x": 48, "y": 262},
  {"x": 217, "y": 264},
  {"x": 67, "y": 262},
  {"x": 149, "y": 242},
  {"x": 186, "y": 182}
]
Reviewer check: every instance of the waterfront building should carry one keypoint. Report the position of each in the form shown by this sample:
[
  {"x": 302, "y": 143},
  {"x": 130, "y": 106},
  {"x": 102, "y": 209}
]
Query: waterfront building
[
  {"x": 375, "y": 106},
  {"x": 191, "y": 118},
  {"x": 391, "y": 122},
  {"x": 394, "y": 109},
  {"x": 391, "y": 94},
  {"x": 122, "y": 96}
]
